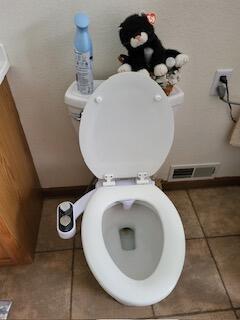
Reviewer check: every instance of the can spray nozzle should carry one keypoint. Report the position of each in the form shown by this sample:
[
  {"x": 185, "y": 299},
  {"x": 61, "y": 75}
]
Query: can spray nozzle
[{"x": 81, "y": 20}]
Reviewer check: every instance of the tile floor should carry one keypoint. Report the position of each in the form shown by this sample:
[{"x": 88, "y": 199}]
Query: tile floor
[{"x": 59, "y": 285}]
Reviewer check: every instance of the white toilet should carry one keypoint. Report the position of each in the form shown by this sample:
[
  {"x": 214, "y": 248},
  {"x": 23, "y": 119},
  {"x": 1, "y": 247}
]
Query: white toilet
[{"x": 132, "y": 235}]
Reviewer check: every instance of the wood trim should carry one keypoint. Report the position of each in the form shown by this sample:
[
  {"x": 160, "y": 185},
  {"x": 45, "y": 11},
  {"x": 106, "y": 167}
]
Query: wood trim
[
  {"x": 216, "y": 182},
  {"x": 166, "y": 185},
  {"x": 6, "y": 262},
  {"x": 64, "y": 191}
]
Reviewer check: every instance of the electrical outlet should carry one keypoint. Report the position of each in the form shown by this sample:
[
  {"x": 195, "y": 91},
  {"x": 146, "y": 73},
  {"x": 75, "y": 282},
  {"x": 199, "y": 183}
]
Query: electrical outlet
[{"x": 217, "y": 75}]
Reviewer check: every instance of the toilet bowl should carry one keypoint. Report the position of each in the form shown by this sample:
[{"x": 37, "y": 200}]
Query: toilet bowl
[
  {"x": 149, "y": 270},
  {"x": 132, "y": 235}
]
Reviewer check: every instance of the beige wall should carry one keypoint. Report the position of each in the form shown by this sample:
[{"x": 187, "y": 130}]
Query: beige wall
[{"x": 38, "y": 38}]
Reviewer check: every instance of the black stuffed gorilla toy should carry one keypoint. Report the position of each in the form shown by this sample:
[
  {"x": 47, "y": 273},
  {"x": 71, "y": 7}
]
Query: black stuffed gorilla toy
[{"x": 145, "y": 50}]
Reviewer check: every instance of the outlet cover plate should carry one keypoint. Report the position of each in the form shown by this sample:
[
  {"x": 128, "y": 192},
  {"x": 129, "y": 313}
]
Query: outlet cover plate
[{"x": 217, "y": 75}]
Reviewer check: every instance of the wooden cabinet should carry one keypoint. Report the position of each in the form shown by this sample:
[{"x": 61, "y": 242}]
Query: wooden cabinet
[{"x": 20, "y": 192}]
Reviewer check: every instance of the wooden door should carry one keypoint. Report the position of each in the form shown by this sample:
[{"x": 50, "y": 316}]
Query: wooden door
[{"x": 20, "y": 192}]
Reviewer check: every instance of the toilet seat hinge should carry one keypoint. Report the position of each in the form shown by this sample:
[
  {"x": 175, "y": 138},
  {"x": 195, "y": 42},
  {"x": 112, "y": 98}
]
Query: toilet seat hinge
[
  {"x": 109, "y": 180},
  {"x": 142, "y": 178}
]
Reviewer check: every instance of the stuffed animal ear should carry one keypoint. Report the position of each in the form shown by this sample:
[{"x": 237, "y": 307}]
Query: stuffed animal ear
[{"x": 151, "y": 16}]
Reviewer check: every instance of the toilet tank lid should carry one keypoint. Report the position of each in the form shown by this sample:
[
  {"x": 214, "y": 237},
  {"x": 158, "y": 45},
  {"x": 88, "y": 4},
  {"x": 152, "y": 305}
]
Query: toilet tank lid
[{"x": 127, "y": 127}]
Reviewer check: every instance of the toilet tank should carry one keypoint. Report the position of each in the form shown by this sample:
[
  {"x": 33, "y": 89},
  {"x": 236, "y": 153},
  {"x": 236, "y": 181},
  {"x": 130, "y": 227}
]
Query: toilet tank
[{"x": 76, "y": 101}]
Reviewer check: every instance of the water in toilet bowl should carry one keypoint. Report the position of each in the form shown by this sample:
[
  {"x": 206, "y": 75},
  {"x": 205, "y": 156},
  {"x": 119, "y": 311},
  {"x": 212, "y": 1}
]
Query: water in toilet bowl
[{"x": 133, "y": 238}]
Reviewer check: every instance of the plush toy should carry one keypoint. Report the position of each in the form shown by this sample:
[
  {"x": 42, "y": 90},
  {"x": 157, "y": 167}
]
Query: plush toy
[{"x": 146, "y": 52}]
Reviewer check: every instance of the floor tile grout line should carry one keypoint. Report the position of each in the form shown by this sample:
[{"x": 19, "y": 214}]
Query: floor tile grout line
[
  {"x": 191, "y": 238},
  {"x": 219, "y": 272},
  {"x": 71, "y": 288},
  {"x": 195, "y": 213},
  {"x": 195, "y": 313},
  {"x": 153, "y": 312},
  {"x": 55, "y": 250},
  {"x": 224, "y": 236},
  {"x": 166, "y": 315},
  {"x": 52, "y": 251},
  {"x": 236, "y": 315},
  {"x": 117, "y": 318},
  {"x": 213, "y": 237},
  {"x": 74, "y": 240},
  {"x": 211, "y": 253}
]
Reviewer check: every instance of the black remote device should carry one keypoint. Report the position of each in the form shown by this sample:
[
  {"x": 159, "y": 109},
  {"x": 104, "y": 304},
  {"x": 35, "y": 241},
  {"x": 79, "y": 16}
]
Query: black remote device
[{"x": 65, "y": 216}]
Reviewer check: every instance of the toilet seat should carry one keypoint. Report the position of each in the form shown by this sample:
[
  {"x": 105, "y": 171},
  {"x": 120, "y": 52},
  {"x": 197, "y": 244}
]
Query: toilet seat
[{"x": 123, "y": 288}]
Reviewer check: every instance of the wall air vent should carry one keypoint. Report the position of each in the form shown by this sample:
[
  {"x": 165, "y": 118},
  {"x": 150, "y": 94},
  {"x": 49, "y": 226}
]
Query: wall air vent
[
  {"x": 193, "y": 171},
  {"x": 182, "y": 173}
]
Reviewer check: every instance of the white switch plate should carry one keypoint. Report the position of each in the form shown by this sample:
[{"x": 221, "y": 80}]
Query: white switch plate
[{"x": 217, "y": 75}]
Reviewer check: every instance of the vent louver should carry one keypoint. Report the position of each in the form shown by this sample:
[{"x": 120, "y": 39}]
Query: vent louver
[
  {"x": 182, "y": 173},
  {"x": 193, "y": 172}
]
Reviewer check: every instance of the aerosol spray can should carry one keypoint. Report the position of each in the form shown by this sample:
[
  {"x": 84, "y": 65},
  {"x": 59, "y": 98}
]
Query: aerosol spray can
[{"x": 83, "y": 55}]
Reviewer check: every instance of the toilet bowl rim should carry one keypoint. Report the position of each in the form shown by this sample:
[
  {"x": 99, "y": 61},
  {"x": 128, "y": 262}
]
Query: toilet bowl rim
[{"x": 124, "y": 288}]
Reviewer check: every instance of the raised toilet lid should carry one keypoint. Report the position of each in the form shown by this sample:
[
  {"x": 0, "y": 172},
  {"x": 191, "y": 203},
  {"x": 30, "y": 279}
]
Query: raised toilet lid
[{"x": 127, "y": 127}]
